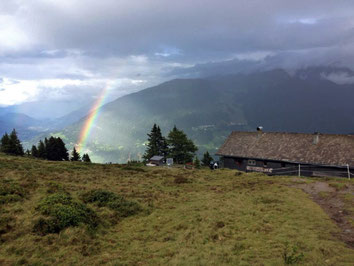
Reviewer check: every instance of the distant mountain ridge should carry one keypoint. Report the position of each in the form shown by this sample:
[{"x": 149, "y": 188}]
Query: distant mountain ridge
[
  {"x": 209, "y": 109},
  {"x": 29, "y": 127},
  {"x": 26, "y": 126}
]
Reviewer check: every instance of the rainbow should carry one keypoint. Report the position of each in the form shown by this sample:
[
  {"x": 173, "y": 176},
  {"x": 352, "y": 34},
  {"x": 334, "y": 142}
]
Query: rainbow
[{"x": 90, "y": 120}]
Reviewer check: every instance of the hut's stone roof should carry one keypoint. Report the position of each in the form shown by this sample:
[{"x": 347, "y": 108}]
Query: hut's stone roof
[
  {"x": 331, "y": 149},
  {"x": 156, "y": 158}
]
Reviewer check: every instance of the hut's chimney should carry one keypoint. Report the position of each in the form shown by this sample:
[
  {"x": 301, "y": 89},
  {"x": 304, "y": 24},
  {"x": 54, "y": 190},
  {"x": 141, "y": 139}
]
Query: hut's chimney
[{"x": 316, "y": 138}]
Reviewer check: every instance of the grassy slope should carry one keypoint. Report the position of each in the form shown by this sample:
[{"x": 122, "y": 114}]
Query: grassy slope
[{"x": 217, "y": 218}]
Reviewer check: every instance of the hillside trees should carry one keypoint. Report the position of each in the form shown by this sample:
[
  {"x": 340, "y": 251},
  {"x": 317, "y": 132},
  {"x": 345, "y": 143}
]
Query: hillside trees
[
  {"x": 177, "y": 145},
  {"x": 10, "y": 144},
  {"x": 52, "y": 149},
  {"x": 86, "y": 158}
]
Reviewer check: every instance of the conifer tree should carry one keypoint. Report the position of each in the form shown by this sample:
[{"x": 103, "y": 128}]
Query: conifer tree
[
  {"x": 15, "y": 143},
  {"x": 42, "y": 150},
  {"x": 45, "y": 142},
  {"x": 10, "y": 144},
  {"x": 86, "y": 158},
  {"x": 161, "y": 144},
  {"x": 152, "y": 146},
  {"x": 207, "y": 159},
  {"x": 196, "y": 162},
  {"x": 62, "y": 151},
  {"x": 5, "y": 143},
  {"x": 181, "y": 149},
  {"x": 75, "y": 156},
  {"x": 34, "y": 151},
  {"x": 157, "y": 144},
  {"x": 51, "y": 149}
]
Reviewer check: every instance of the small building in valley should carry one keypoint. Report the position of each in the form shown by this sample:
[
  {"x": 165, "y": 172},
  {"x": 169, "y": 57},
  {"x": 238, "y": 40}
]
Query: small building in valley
[
  {"x": 279, "y": 153},
  {"x": 157, "y": 160}
]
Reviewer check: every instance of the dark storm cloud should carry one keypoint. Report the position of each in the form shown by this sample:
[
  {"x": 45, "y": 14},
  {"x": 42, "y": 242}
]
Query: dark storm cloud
[
  {"x": 137, "y": 43},
  {"x": 200, "y": 29}
]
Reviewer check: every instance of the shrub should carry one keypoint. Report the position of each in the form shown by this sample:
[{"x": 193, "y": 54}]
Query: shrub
[
  {"x": 10, "y": 192},
  {"x": 117, "y": 203},
  {"x": 101, "y": 197},
  {"x": 62, "y": 212}
]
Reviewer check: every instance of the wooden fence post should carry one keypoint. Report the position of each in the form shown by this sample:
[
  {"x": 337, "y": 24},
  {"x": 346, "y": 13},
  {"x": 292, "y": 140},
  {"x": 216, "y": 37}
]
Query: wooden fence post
[{"x": 348, "y": 171}]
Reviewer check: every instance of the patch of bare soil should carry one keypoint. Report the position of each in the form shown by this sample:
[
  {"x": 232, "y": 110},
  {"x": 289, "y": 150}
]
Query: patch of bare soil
[{"x": 331, "y": 202}]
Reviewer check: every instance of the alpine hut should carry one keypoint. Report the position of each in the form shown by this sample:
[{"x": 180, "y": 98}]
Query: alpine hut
[{"x": 280, "y": 153}]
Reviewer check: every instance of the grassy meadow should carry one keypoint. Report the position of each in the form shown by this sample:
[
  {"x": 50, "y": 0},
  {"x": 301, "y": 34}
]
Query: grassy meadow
[{"x": 66, "y": 213}]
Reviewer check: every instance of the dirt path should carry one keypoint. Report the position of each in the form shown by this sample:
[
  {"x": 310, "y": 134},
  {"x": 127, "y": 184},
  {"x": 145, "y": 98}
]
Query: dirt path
[{"x": 332, "y": 202}]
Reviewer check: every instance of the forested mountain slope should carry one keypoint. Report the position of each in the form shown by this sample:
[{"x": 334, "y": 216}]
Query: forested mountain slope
[{"x": 209, "y": 109}]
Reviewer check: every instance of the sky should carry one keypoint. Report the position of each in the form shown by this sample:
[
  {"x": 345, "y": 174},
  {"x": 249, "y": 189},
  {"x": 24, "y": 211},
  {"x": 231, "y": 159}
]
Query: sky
[{"x": 67, "y": 51}]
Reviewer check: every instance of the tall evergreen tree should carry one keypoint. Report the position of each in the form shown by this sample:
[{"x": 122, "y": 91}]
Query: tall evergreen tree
[
  {"x": 86, "y": 158},
  {"x": 196, "y": 162},
  {"x": 51, "y": 149},
  {"x": 54, "y": 148},
  {"x": 157, "y": 144},
  {"x": 42, "y": 150},
  {"x": 15, "y": 143},
  {"x": 5, "y": 143},
  {"x": 75, "y": 156},
  {"x": 152, "y": 146},
  {"x": 34, "y": 151},
  {"x": 207, "y": 159},
  {"x": 10, "y": 144},
  {"x": 62, "y": 151},
  {"x": 45, "y": 142},
  {"x": 161, "y": 144},
  {"x": 181, "y": 149}
]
